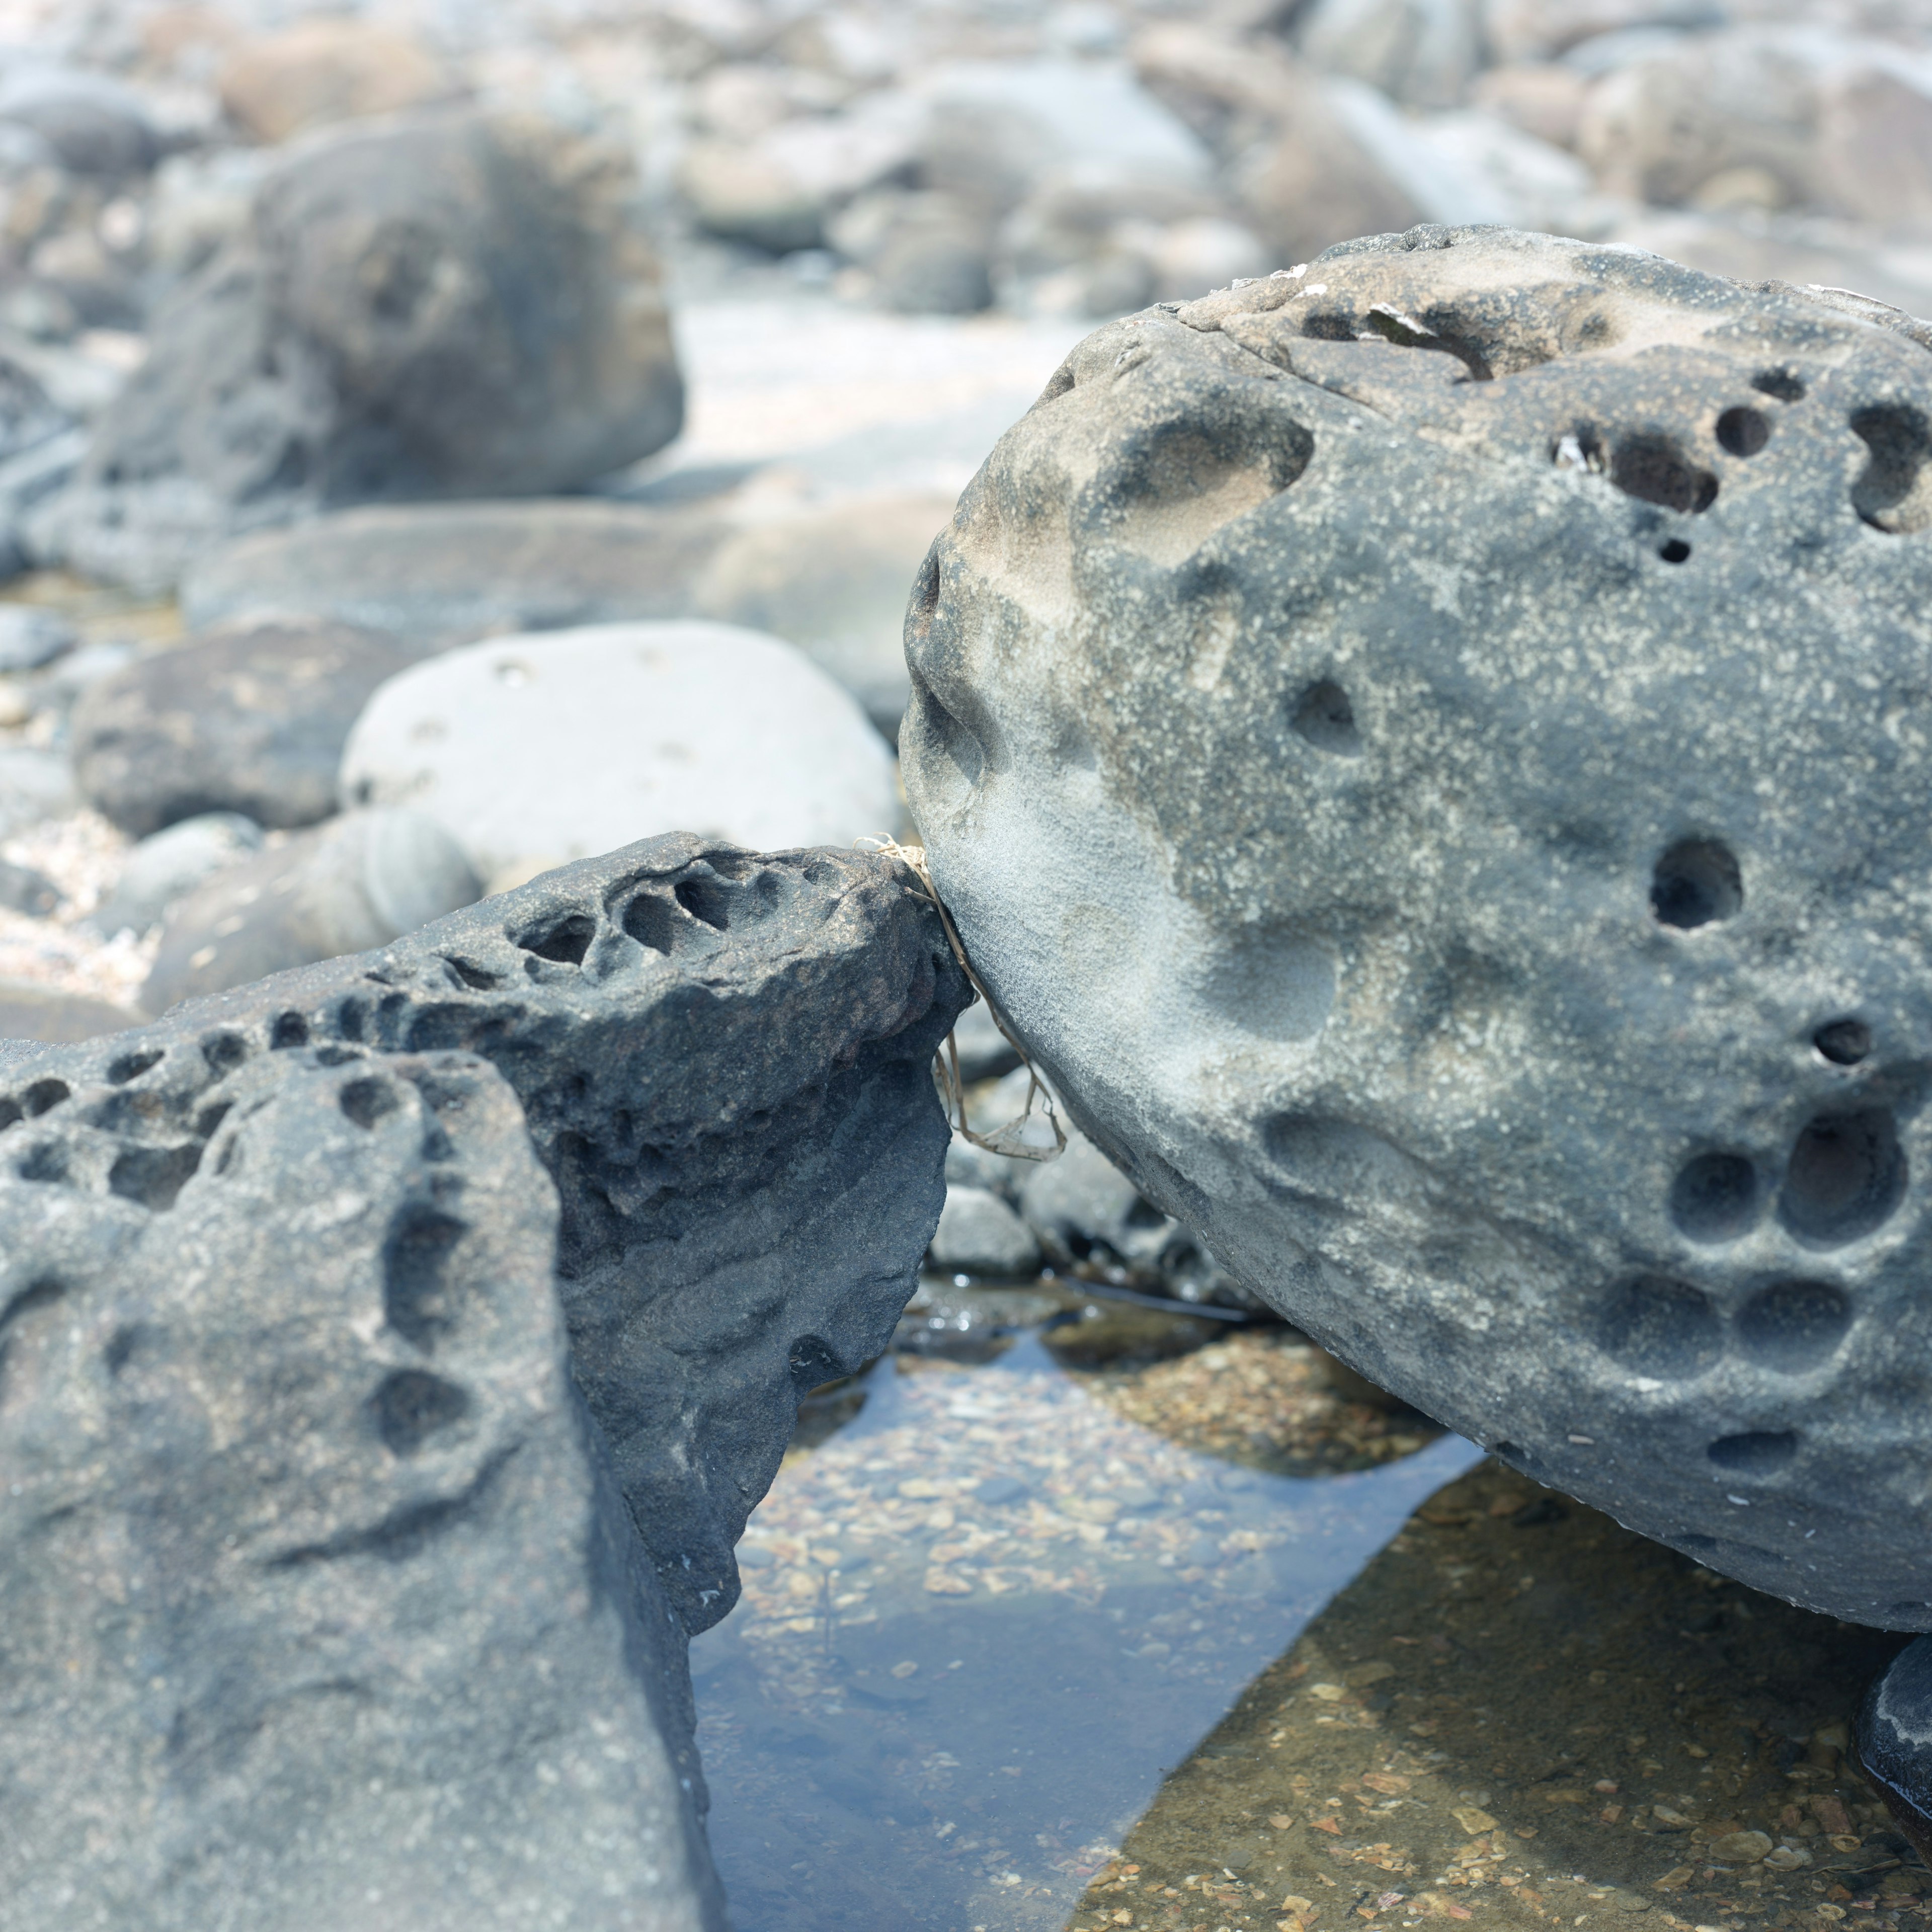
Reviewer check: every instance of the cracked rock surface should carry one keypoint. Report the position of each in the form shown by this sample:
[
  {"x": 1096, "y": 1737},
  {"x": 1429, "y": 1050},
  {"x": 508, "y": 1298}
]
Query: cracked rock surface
[
  {"x": 1430, "y": 750},
  {"x": 390, "y": 1353}
]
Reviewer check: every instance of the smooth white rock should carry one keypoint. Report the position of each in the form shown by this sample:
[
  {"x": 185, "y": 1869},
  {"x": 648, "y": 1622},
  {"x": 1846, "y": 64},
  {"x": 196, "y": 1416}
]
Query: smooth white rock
[{"x": 535, "y": 750}]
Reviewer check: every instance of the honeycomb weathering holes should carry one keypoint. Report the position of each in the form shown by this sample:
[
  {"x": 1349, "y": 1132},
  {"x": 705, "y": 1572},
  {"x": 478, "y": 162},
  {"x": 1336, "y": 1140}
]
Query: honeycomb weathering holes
[
  {"x": 1780, "y": 384},
  {"x": 1653, "y": 1326},
  {"x": 1325, "y": 717},
  {"x": 1743, "y": 431},
  {"x": 1714, "y": 1198},
  {"x": 1653, "y": 469},
  {"x": 1794, "y": 1326},
  {"x": 1893, "y": 493},
  {"x": 412, "y": 1405},
  {"x": 1756, "y": 1452},
  {"x": 566, "y": 942},
  {"x": 1843, "y": 1042},
  {"x": 1846, "y": 1176},
  {"x": 1696, "y": 883}
]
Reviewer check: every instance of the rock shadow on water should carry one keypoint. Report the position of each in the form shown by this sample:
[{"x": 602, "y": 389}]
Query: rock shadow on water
[
  {"x": 1522, "y": 1715},
  {"x": 986, "y": 1609}
]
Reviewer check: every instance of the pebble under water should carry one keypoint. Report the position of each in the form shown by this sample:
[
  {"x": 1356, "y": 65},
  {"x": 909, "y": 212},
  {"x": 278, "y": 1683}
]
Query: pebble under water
[{"x": 1075, "y": 1615}]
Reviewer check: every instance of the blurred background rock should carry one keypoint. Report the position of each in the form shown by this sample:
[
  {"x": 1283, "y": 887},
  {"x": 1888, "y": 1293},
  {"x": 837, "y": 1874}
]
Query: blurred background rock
[{"x": 332, "y": 341}]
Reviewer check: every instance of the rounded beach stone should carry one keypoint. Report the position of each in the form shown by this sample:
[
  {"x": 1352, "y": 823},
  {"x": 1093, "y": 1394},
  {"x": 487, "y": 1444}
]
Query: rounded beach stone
[
  {"x": 532, "y": 751},
  {"x": 249, "y": 719},
  {"x": 1895, "y": 1740},
  {"x": 1429, "y": 751},
  {"x": 978, "y": 1233},
  {"x": 350, "y": 885}
]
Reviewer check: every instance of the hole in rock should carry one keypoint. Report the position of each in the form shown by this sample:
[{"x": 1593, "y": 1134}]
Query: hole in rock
[
  {"x": 1328, "y": 325},
  {"x": 412, "y": 1404},
  {"x": 365, "y": 1101},
  {"x": 1793, "y": 1326},
  {"x": 1438, "y": 329},
  {"x": 925, "y": 604},
  {"x": 45, "y": 1163},
  {"x": 1714, "y": 1198},
  {"x": 1326, "y": 718},
  {"x": 476, "y": 978},
  {"x": 1676, "y": 551},
  {"x": 652, "y": 922},
  {"x": 42, "y": 1095},
  {"x": 1843, "y": 1042},
  {"x": 1846, "y": 1176},
  {"x": 417, "y": 1297},
  {"x": 1743, "y": 431},
  {"x": 224, "y": 1051},
  {"x": 1757, "y": 1452},
  {"x": 707, "y": 899},
  {"x": 1891, "y": 493},
  {"x": 1780, "y": 384},
  {"x": 1653, "y": 1326},
  {"x": 1653, "y": 469},
  {"x": 930, "y": 724},
  {"x": 132, "y": 1066},
  {"x": 154, "y": 1176},
  {"x": 566, "y": 942},
  {"x": 1180, "y": 481},
  {"x": 290, "y": 1030},
  {"x": 813, "y": 1364},
  {"x": 1695, "y": 884}
]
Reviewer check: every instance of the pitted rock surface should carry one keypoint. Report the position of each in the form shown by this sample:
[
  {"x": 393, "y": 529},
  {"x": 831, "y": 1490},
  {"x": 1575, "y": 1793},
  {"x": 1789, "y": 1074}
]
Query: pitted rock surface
[
  {"x": 390, "y": 1353},
  {"x": 1430, "y": 751}
]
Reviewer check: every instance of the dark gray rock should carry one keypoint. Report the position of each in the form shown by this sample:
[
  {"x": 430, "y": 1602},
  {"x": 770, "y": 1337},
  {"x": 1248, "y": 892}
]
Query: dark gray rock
[
  {"x": 168, "y": 865},
  {"x": 251, "y": 719},
  {"x": 442, "y": 574},
  {"x": 327, "y": 1602},
  {"x": 358, "y": 882},
  {"x": 979, "y": 1233},
  {"x": 450, "y": 305},
  {"x": 29, "y": 1011},
  {"x": 399, "y": 1677},
  {"x": 1893, "y": 1739},
  {"x": 1371, "y": 729}
]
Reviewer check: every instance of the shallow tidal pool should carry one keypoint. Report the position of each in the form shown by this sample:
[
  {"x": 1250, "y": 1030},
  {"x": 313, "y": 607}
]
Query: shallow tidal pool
[{"x": 1071, "y": 1614}]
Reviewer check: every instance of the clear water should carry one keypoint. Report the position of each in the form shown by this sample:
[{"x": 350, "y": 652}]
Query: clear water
[{"x": 981, "y": 1622}]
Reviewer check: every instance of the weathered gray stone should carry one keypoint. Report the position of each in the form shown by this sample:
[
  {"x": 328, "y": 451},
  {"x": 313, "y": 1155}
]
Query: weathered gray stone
[
  {"x": 1430, "y": 753},
  {"x": 249, "y": 719},
  {"x": 168, "y": 865},
  {"x": 328, "y": 1599},
  {"x": 351, "y": 885},
  {"x": 444, "y": 574},
  {"x": 29, "y": 1011},
  {"x": 979, "y": 1234},
  {"x": 453, "y": 304}
]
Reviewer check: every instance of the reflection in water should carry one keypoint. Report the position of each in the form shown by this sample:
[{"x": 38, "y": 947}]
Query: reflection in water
[{"x": 980, "y": 1622}]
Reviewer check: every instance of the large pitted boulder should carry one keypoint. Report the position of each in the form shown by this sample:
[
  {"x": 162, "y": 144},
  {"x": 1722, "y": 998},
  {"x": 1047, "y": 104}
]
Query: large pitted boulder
[
  {"x": 392, "y": 1352},
  {"x": 1431, "y": 750},
  {"x": 452, "y": 304}
]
